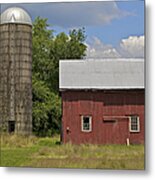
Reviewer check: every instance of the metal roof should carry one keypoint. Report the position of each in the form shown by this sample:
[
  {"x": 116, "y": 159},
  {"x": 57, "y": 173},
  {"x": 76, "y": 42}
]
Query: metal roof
[
  {"x": 15, "y": 15},
  {"x": 101, "y": 74}
]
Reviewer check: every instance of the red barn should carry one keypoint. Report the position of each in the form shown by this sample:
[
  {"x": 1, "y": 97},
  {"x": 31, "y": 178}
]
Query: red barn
[{"x": 102, "y": 101}]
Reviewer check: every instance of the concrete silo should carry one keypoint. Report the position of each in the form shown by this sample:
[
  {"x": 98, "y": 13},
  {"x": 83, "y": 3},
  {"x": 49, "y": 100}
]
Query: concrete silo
[{"x": 16, "y": 71}]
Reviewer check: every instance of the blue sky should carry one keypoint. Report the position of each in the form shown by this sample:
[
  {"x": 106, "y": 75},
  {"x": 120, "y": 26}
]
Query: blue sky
[{"x": 106, "y": 23}]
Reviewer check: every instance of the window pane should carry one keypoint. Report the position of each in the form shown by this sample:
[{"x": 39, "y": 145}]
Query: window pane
[
  {"x": 86, "y": 123},
  {"x": 86, "y": 119},
  {"x": 134, "y": 123},
  {"x": 86, "y": 127}
]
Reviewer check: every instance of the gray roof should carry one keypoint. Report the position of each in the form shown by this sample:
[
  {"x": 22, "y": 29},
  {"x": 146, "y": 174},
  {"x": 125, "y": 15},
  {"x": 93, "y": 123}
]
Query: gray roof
[
  {"x": 15, "y": 15},
  {"x": 101, "y": 74}
]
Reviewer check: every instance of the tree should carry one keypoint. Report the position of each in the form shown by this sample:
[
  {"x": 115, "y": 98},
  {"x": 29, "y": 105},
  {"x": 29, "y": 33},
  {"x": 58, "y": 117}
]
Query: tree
[
  {"x": 42, "y": 40},
  {"x": 47, "y": 51},
  {"x": 46, "y": 109}
]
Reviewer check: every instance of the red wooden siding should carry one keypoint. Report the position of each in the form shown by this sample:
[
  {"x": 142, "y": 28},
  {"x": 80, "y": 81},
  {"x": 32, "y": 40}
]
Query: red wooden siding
[{"x": 110, "y": 111}]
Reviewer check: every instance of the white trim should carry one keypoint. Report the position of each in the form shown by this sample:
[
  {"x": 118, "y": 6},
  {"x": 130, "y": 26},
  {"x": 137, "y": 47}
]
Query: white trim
[
  {"x": 102, "y": 59},
  {"x": 90, "y": 123},
  {"x": 138, "y": 124},
  {"x": 67, "y": 87}
]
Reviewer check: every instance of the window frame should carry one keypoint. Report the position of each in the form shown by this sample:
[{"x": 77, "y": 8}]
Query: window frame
[
  {"x": 90, "y": 123},
  {"x": 138, "y": 124}
]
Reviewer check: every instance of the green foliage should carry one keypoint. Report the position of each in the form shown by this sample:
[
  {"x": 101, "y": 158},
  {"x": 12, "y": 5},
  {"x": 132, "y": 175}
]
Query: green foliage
[
  {"x": 47, "y": 51},
  {"x": 42, "y": 40},
  {"x": 46, "y": 109},
  {"x": 76, "y": 46}
]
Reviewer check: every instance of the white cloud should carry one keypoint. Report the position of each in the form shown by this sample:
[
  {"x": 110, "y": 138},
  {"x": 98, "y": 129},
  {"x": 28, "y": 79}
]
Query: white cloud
[
  {"x": 132, "y": 47},
  {"x": 97, "y": 49}
]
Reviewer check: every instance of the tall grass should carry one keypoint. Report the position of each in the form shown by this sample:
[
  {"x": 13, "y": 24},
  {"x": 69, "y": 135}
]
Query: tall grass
[
  {"x": 47, "y": 152},
  {"x": 14, "y": 141}
]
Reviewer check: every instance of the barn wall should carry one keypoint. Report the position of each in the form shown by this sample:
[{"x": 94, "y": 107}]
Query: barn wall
[{"x": 102, "y": 105}]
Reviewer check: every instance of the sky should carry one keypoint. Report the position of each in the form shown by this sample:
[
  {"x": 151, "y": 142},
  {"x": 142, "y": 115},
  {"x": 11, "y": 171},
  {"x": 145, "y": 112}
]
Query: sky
[{"x": 114, "y": 29}]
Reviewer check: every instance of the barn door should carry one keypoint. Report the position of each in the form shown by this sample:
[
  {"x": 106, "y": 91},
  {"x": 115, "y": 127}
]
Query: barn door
[
  {"x": 116, "y": 131},
  {"x": 120, "y": 131}
]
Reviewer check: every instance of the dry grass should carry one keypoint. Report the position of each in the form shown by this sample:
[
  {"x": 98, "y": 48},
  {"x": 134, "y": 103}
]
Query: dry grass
[
  {"x": 91, "y": 156},
  {"x": 14, "y": 141},
  {"x": 47, "y": 152}
]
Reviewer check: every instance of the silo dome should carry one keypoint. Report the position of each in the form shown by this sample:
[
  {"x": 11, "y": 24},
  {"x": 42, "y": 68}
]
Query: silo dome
[{"x": 15, "y": 15}]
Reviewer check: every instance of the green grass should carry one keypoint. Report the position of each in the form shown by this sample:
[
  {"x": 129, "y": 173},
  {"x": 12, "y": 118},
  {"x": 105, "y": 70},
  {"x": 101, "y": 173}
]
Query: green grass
[{"x": 47, "y": 152}]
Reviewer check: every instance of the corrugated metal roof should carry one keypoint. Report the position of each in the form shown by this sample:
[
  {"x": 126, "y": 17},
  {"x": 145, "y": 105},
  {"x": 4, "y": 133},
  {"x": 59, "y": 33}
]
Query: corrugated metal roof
[
  {"x": 101, "y": 74},
  {"x": 15, "y": 15}
]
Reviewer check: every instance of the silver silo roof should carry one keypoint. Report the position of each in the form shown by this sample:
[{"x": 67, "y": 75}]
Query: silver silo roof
[{"x": 15, "y": 15}]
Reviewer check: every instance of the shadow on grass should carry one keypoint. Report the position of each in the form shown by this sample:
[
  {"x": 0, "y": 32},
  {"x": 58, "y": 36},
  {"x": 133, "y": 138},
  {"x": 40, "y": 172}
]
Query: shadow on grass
[{"x": 58, "y": 142}]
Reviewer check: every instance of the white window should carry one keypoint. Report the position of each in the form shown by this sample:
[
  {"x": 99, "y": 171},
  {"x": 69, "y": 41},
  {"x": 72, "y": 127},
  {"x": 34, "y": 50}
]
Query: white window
[
  {"x": 86, "y": 123},
  {"x": 134, "y": 124}
]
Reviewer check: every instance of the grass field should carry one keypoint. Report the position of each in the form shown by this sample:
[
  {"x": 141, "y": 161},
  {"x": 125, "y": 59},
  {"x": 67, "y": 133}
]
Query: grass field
[{"x": 47, "y": 152}]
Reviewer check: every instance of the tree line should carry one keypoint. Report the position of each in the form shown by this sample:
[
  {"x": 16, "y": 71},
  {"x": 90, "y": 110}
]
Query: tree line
[{"x": 48, "y": 49}]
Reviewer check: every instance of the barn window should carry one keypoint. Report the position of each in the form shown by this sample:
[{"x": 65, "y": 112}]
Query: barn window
[
  {"x": 86, "y": 123},
  {"x": 134, "y": 124}
]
